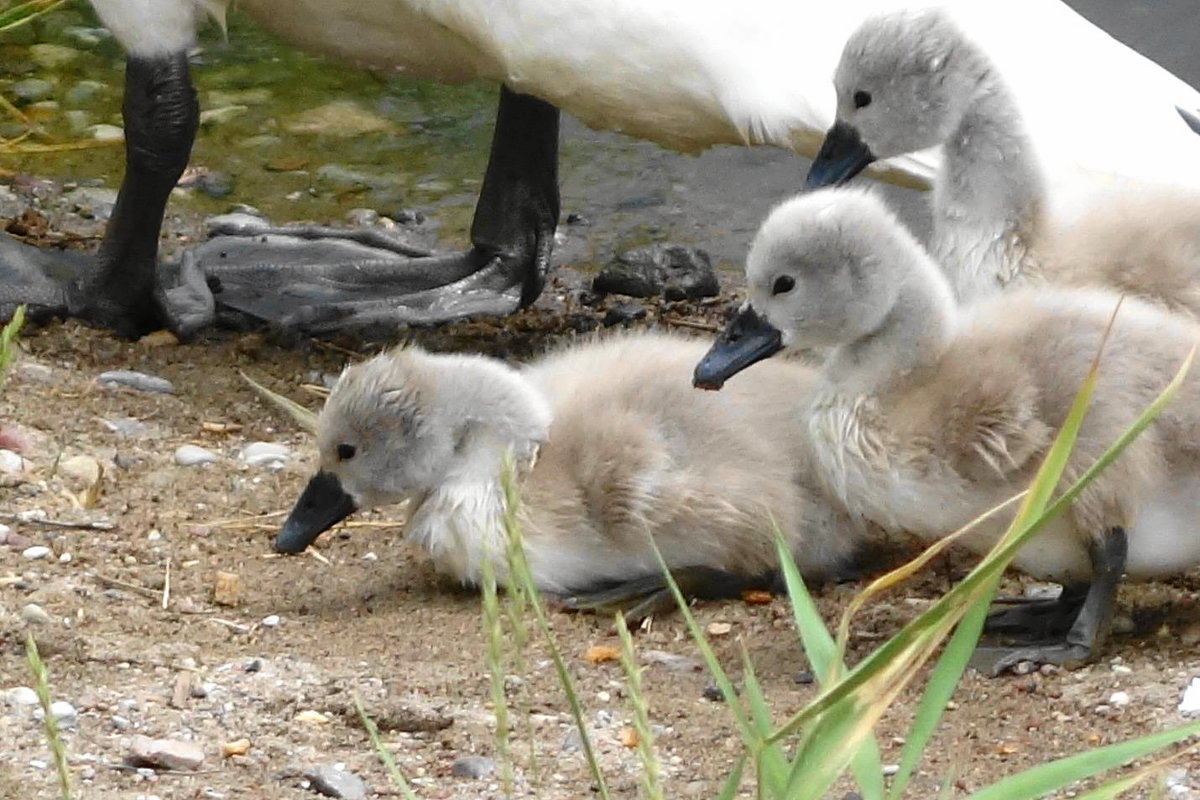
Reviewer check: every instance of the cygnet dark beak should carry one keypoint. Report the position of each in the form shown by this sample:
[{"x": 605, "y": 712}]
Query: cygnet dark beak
[
  {"x": 746, "y": 340},
  {"x": 322, "y": 504},
  {"x": 843, "y": 155}
]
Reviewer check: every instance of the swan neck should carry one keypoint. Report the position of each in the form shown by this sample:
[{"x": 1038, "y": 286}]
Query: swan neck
[
  {"x": 987, "y": 197},
  {"x": 913, "y": 334}
]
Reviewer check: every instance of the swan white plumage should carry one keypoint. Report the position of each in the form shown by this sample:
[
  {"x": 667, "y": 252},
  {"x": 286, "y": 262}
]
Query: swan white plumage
[
  {"x": 697, "y": 73},
  {"x": 688, "y": 74}
]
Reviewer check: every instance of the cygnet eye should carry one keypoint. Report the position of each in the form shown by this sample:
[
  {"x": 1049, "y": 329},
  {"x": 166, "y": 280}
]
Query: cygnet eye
[
  {"x": 345, "y": 452},
  {"x": 783, "y": 284},
  {"x": 862, "y": 99}
]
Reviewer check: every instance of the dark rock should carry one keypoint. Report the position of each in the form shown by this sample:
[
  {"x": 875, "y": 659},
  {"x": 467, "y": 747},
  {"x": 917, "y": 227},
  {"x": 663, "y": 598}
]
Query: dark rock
[
  {"x": 621, "y": 313},
  {"x": 713, "y": 692},
  {"x": 408, "y": 216},
  {"x": 575, "y": 218},
  {"x": 674, "y": 271},
  {"x": 803, "y": 677},
  {"x": 333, "y": 782},
  {"x": 475, "y": 767}
]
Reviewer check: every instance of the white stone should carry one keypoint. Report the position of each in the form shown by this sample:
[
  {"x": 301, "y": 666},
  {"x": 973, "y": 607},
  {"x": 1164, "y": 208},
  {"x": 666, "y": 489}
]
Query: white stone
[
  {"x": 1190, "y": 704},
  {"x": 189, "y": 455},
  {"x": 21, "y": 696},
  {"x": 35, "y": 615},
  {"x": 36, "y": 552},
  {"x": 11, "y": 463},
  {"x": 271, "y": 621},
  {"x": 4, "y": 532},
  {"x": 64, "y": 713},
  {"x": 265, "y": 454},
  {"x": 65, "y": 558},
  {"x": 1119, "y": 699}
]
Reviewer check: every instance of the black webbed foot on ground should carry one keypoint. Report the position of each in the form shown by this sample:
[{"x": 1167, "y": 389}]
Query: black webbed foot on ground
[
  {"x": 315, "y": 279},
  {"x": 1088, "y": 632},
  {"x": 649, "y": 595},
  {"x": 1028, "y": 620}
]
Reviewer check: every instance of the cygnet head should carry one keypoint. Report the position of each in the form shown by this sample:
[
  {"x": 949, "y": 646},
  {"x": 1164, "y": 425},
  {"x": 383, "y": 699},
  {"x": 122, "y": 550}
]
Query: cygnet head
[
  {"x": 903, "y": 82},
  {"x": 406, "y": 422},
  {"x": 825, "y": 269}
]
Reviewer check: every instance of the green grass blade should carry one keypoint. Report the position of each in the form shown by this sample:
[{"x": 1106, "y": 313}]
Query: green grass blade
[
  {"x": 942, "y": 683},
  {"x": 24, "y": 13},
  {"x": 522, "y": 575},
  {"x": 730, "y": 789},
  {"x": 750, "y": 737},
  {"x": 772, "y": 759},
  {"x": 1055, "y": 775},
  {"x": 41, "y": 683},
  {"x": 651, "y": 769},
  {"x": 394, "y": 773},
  {"x": 826, "y": 661},
  {"x": 8, "y": 341},
  {"x": 493, "y": 632}
]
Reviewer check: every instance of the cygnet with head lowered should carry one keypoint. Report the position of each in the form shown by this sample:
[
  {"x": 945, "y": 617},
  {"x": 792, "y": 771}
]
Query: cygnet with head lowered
[
  {"x": 909, "y": 80},
  {"x": 610, "y": 444},
  {"x": 927, "y": 414}
]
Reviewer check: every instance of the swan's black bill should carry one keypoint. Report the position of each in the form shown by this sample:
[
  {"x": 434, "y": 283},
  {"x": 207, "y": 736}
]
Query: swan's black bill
[
  {"x": 322, "y": 504},
  {"x": 746, "y": 340},
  {"x": 843, "y": 155}
]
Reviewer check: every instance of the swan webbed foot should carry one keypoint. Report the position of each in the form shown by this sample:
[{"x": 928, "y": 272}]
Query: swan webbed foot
[
  {"x": 314, "y": 279},
  {"x": 1090, "y": 629},
  {"x": 1026, "y": 619},
  {"x": 649, "y": 595}
]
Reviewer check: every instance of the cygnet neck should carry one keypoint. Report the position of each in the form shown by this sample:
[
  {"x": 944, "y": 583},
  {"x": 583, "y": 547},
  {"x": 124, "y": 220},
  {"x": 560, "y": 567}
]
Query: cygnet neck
[
  {"x": 987, "y": 196},
  {"x": 914, "y": 333}
]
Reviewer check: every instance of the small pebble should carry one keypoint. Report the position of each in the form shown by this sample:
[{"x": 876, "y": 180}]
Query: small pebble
[
  {"x": 189, "y": 455},
  {"x": 803, "y": 677},
  {"x": 135, "y": 380},
  {"x": 370, "y": 557},
  {"x": 1190, "y": 704},
  {"x": 890, "y": 770},
  {"x": 271, "y": 621},
  {"x": 5, "y": 531},
  {"x": 1118, "y": 699},
  {"x": 265, "y": 454},
  {"x": 176, "y": 754},
  {"x": 64, "y": 558},
  {"x": 35, "y": 615},
  {"x": 714, "y": 693},
  {"x": 332, "y": 781},
  {"x": 11, "y": 463},
  {"x": 475, "y": 767},
  {"x": 21, "y": 696},
  {"x": 36, "y": 552},
  {"x": 38, "y": 763},
  {"x": 63, "y": 712}
]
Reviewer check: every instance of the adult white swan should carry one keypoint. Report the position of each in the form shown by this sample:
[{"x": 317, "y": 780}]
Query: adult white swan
[{"x": 684, "y": 73}]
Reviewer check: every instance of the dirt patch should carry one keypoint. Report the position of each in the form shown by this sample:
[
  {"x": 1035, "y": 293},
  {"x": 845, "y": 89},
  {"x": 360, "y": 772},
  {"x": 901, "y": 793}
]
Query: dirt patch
[{"x": 278, "y": 663}]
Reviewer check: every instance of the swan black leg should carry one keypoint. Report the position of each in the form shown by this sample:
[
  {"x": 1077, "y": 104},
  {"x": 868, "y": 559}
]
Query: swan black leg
[
  {"x": 119, "y": 288},
  {"x": 1090, "y": 630},
  {"x": 352, "y": 279}
]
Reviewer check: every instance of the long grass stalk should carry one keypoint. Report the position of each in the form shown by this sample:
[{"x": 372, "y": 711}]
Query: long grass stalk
[
  {"x": 521, "y": 574},
  {"x": 493, "y": 631},
  {"x": 41, "y": 684},
  {"x": 651, "y": 769},
  {"x": 389, "y": 763}
]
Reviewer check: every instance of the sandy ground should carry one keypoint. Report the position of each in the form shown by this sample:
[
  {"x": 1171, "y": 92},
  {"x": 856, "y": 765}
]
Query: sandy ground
[{"x": 372, "y": 618}]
